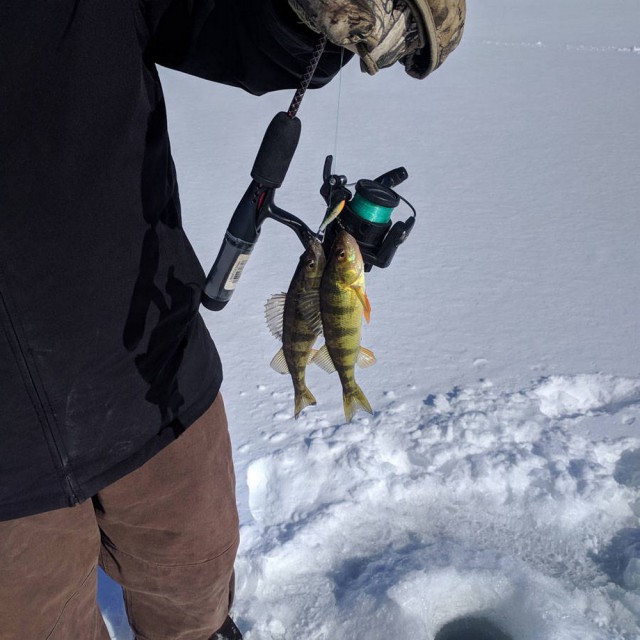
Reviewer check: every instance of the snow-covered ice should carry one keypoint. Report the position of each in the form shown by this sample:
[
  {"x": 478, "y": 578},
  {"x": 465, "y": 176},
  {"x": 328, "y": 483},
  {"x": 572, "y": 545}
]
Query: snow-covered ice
[
  {"x": 474, "y": 501},
  {"x": 500, "y": 473}
]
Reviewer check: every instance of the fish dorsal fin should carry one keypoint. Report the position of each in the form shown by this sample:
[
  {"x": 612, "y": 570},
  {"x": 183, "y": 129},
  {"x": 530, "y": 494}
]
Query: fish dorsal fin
[
  {"x": 364, "y": 300},
  {"x": 274, "y": 312},
  {"x": 366, "y": 358},
  {"x": 309, "y": 307},
  {"x": 279, "y": 363},
  {"x": 323, "y": 360}
]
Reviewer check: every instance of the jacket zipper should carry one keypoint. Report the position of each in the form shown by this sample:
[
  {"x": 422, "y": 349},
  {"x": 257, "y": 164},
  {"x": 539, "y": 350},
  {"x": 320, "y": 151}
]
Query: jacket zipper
[{"x": 37, "y": 401}]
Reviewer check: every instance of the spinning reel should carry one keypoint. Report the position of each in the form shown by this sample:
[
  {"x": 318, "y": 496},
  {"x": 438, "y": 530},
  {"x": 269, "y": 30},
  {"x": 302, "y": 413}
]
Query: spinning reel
[{"x": 366, "y": 214}]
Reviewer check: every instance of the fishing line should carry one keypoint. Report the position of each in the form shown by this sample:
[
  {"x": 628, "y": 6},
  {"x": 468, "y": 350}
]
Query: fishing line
[{"x": 335, "y": 139}]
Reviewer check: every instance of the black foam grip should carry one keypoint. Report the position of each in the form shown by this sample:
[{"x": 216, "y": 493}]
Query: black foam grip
[{"x": 276, "y": 151}]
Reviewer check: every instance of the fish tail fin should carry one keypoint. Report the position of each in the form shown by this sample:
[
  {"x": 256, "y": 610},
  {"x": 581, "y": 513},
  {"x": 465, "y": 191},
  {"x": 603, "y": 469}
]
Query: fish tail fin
[
  {"x": 303, "y": 399},
  {"x": 353, "y": 402}
]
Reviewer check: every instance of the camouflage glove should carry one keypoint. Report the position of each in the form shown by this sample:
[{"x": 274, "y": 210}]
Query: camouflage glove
[{"x": 419, "y": 34}]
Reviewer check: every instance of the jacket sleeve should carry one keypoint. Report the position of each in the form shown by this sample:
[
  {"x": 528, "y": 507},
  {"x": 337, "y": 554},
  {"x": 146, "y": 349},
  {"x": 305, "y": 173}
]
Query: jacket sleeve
[{"x": 258, "y": 45}]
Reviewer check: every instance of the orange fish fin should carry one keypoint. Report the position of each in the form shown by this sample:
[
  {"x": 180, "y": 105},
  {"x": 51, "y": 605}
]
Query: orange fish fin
[
  {"x": 323, "y": 360},
  {"x": 279, "y": 363},
  {"x": 366, "y": 358},
  {"x": 366, "y": 305}
]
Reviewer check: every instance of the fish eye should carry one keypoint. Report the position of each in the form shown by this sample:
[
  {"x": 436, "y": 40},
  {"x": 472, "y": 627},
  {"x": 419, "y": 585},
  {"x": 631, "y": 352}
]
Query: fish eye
[
  {"x": 341, "y": 254},
  {"x": 311, "y": 264}
]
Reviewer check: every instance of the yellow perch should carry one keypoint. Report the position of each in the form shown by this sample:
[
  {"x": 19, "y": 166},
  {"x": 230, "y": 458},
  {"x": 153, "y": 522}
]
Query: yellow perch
[
  {"x": 294, "y": 318},
  {"x": 343, "y": 302}
]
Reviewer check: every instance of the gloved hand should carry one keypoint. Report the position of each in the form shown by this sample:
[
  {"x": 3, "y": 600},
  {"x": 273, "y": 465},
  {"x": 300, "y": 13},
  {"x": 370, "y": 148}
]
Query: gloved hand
[{"x": 418, "y": 33}]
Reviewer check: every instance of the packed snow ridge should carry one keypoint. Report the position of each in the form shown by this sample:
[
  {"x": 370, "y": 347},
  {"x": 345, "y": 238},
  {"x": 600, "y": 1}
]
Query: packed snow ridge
[{"x": 478, "y": 501}]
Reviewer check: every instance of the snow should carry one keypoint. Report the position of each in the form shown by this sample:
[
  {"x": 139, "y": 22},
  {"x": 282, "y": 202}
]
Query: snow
[{"x": 500, "y": 473}]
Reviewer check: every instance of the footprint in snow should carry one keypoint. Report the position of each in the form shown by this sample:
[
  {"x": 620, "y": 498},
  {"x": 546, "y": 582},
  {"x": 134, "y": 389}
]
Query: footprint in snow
[{"x": 627, "y": 471}]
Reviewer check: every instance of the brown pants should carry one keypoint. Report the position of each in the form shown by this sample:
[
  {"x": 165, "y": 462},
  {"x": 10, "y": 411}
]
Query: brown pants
[{"x": 168, "y": 533}]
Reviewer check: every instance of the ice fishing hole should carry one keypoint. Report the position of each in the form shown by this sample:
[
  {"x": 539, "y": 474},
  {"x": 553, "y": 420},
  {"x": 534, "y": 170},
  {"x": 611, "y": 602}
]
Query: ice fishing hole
[{"x": 471, "y": 628}]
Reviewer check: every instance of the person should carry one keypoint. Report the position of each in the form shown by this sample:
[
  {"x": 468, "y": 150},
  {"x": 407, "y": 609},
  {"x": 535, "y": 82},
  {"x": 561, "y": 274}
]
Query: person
[{"x": 114, "y": 443}]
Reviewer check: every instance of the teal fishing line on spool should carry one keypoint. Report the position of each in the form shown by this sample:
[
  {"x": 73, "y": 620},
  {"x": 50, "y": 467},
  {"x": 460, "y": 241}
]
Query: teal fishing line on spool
[{"x": 370, "y": 211}]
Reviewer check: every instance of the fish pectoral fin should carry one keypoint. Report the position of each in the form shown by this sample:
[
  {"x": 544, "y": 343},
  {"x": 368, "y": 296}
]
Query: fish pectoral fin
[
  {"x": 312, "y": 355},
  {"x": 279, "y": 362},
  {"x": 274, "y": 312},
  {"x": 366, "y": 358},
  {"x": 364, "y": 300},
  {"x": 309, "y": 307},
  {"x": 323, "y": 360}
]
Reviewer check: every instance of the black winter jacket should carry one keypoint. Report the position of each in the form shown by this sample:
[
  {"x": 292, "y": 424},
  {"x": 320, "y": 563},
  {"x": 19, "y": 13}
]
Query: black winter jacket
[{"x": 104, "y": 358}]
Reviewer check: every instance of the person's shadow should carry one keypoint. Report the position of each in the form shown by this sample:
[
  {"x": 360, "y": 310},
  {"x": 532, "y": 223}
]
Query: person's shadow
[{"x": 158, "y": 295}]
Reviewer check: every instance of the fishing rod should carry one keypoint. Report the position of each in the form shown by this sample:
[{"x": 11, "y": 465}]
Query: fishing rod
[{"x": 366, "y": 215}]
